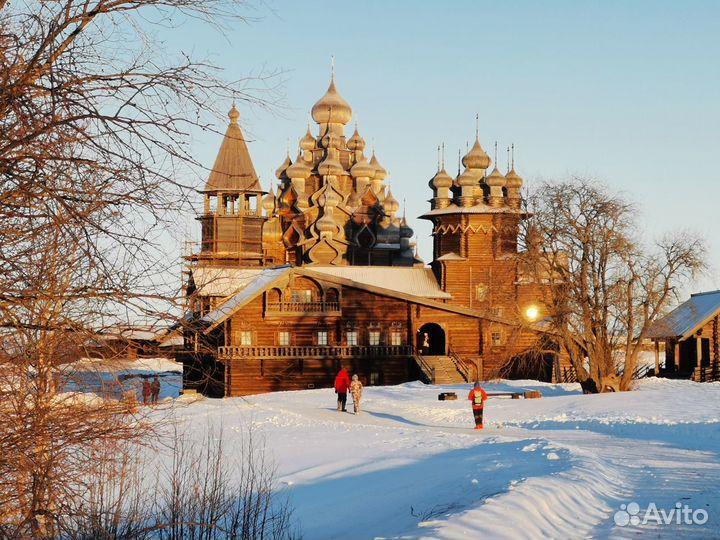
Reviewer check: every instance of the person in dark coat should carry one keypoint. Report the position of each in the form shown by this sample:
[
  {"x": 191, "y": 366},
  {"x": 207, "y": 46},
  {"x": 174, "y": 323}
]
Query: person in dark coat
[
  {"x": 155, "y": 390},
  {"x": 478, "y": 397},
  {"x": 146, "y": 391},
  {"x": 342, "y": 385}
]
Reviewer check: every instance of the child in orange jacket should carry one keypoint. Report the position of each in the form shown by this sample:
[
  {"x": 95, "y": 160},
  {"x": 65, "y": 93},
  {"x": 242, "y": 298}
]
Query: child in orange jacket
[{"x": 478, "y": 397}]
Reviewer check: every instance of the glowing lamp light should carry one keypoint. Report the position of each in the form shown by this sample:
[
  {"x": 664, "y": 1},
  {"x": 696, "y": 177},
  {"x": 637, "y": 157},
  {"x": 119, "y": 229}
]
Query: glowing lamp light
[{"x": 532, "y": 313}]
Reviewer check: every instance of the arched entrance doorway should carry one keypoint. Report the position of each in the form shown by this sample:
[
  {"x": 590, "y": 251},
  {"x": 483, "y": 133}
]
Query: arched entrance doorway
[{"x": 431, "y": 340}]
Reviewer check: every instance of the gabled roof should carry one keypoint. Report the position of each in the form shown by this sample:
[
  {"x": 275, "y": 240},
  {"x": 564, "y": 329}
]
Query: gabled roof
[
  {"x": 272, "y": 277},
  {"x": 688, "y": 317},
  {"x": 263, "y": 281},
  {"x": 391, "y": 293},
  {"x": 415, "y": 281},
  {"x": 233, "y": 169},
  {"x": 217, "y": 281}
]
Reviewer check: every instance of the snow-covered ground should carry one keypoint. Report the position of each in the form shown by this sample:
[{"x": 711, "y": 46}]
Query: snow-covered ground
[
  {"x": 557, "y": 467},
  {"x": 112, "y": 378}
]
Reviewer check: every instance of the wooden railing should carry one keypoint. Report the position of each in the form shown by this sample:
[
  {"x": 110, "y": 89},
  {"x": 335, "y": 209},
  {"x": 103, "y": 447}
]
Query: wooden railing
[
  {"x": 302, "y": 307},
  {"x": 427, "y": 369},
  {"x": 460, "y": 365},
  {"x": 569, "y": 375},
  {"x": 314, "y": 351}
]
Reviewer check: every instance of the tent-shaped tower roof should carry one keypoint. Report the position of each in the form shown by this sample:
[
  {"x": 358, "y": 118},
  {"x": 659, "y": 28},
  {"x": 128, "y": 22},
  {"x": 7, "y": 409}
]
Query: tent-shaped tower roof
[{"x": 233, "y": 169}]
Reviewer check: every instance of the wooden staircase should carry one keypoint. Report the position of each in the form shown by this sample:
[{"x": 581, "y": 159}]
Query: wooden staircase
[{"x": 441, "y": 369}]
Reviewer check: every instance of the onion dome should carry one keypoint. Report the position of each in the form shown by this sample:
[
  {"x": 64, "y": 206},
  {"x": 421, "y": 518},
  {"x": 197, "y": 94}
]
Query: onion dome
[
  {"x": 380, "y": 172},
  {"x": 330, "y": 166},
  {"x": 282, "y": 168},
  {"x": 513, "y": 180},
  {"x": 353, "y": 200},
  {"x": 496, "y": 179},
  {"x": 362, "y": 169},
  {"x": 268, "y": 202},
  {"x": 405, "y": 229},
  {"x": 331, "y": 140},
  {"x": 299, "y": 169},
  {"x": 476, "y": 158},
  {"x": 441, "y": 180},
  {"x": 308, "y": 141},
  {"x": 332, "y": 108},
  {"x": 390, "y": 204},
  {"x": 329, "y": 196},
  {"x": 326, "y": 224},
  {"x": 233, "y": 114},
  {"x": 466, "y": 179},
  {"x": 356, "y": 142}
]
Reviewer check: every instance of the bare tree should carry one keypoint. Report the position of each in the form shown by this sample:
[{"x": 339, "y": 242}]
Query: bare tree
[
  {"x": 94, "y": 161},
  {"x": 605, "y": 286}
]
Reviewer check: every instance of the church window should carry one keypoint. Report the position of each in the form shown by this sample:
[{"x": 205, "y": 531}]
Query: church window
[
  {"x": 374, "y": 337},
  {"x": 481, "y": 292},
  {"x": 351, "y": 337},
  {"x": 284, "y": 338},
  {"x": 245, "y": 338},
  {"x": 322, "y": 337},
  {"x": 496, "y": 338}
]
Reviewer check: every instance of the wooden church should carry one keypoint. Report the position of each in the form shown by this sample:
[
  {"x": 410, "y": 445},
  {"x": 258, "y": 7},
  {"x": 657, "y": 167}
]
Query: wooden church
[{"x": 289, "y": 285}]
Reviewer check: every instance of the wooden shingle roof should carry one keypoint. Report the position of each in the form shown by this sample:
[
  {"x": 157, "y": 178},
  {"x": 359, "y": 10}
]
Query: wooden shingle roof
[{"x": 688, "y": 317}]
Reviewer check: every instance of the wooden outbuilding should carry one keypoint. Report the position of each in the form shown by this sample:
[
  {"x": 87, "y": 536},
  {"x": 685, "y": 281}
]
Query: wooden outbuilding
[{"x": 691, "y": 339}]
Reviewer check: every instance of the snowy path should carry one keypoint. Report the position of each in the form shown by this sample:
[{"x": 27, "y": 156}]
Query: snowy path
[{"x": 559, "y": 467}]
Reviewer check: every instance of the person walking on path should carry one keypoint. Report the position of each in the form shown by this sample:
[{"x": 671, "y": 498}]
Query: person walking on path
[
  {"x": 155, "y": 390},
  {"x": 146, "y": 391},
  {"x": 342, "y": 384},
  {"x": 478, "y": 397},
  {"x": 356, "y": 389}
]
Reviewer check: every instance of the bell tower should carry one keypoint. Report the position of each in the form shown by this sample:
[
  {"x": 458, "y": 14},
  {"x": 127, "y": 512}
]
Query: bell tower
[
  {"x": 476, "y": 219},
  {"x": 232, "y": 220}
]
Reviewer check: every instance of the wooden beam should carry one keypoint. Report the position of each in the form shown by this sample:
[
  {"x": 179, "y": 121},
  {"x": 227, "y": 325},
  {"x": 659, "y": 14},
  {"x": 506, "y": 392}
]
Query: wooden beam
[
  {"x": 698, "y": 351},
  {"x": 657, "y": 358}
]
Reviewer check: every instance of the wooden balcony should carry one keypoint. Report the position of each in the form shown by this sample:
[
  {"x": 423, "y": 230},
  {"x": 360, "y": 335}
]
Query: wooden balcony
[
  {"x": 302, "y": 308},
  {"x": 315, "y": 351}
]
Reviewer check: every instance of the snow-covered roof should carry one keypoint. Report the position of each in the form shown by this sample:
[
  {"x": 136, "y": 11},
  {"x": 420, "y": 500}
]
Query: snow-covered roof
[
  {"x": 480, "y": 208},
  {"x": 403, "y": 279},
  {"x": 685, "y": 319},
  {"x": 452, "y": 256},
  {"x": 212, "y": 281},
  {"x": 138, "y": 332},
  {"x": 263, "y": 280}
]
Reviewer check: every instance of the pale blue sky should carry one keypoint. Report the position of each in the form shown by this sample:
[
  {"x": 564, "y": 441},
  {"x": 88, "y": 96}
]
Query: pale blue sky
[{"x": 626, "y": 92}]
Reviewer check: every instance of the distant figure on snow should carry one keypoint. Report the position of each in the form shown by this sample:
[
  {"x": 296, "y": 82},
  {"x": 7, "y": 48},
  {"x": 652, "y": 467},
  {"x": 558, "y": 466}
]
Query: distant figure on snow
[
  {"x": 478, "y": 397},
  {"x": 146, "y": 391},
  {"x": 342, "y": 384},
  {"x": 155, "y": 390},
  {"x": 356, "y": 388}
]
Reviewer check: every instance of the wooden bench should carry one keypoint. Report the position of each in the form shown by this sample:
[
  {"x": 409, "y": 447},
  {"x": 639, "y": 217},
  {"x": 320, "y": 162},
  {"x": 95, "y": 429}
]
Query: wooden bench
[{"x": 530, "y": 394}]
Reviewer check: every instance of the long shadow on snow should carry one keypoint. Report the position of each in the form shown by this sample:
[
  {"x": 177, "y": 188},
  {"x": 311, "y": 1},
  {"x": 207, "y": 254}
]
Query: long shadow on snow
[
  {"x": 690, "y": 436},
  {"x": 394, "y": 496}
]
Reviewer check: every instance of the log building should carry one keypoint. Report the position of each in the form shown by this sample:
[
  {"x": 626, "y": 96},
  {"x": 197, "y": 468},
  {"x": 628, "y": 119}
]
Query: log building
[
  {"x": 289, "y": 284},
  {"x": 691, "y": 337}
]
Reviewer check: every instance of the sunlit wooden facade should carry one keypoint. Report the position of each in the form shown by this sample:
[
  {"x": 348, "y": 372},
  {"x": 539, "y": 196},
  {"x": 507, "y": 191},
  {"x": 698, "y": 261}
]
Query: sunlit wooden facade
[{"x": 289, "y": 284}]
